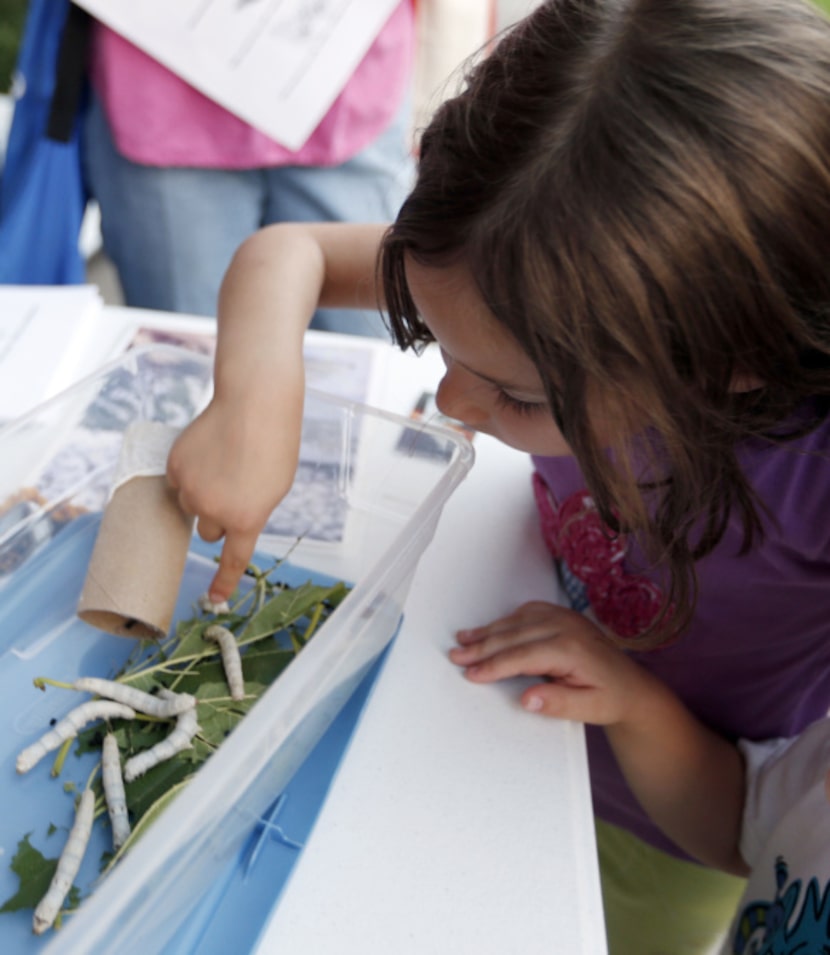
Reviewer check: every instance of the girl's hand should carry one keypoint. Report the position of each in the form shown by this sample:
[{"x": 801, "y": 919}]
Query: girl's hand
[
  {"x": 236, "y": 461},
  {"x": 586, "y": 677},
  {"x": 231, "y": 467},
  {"x": 675, "y": 765}
]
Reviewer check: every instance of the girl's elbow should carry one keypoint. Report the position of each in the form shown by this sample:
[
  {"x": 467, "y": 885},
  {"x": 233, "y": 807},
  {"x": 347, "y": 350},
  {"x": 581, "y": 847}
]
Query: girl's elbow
[{"x": 738, "y": 866}]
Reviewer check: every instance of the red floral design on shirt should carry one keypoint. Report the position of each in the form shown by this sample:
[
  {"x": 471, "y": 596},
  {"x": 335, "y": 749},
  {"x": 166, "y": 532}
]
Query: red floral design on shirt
[{"x": 577, "y": 537}]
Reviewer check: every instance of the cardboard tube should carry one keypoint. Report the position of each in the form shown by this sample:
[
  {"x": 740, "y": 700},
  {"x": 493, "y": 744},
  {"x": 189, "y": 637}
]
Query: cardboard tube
[{"x": 137, "y": 564}]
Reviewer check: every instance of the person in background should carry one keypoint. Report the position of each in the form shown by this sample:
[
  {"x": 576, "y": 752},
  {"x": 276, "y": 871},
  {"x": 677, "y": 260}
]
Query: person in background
[
  {"x": 757, "y": 808},
  {"x": 181, "y": 182},
  {"x": 617, "y": 236}
]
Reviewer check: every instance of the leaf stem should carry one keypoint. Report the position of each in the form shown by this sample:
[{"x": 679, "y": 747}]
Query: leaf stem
[
  {"x": 60, "y": 759},
  {"x": 41, "y": 683},
  {"x": 313, "y": 622},
  {"x": 92, "y": 775}
]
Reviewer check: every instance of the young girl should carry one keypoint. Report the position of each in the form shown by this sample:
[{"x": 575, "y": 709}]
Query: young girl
[
  {"x": 763, "y": 806},
  {"x": 618, "y": 237}
]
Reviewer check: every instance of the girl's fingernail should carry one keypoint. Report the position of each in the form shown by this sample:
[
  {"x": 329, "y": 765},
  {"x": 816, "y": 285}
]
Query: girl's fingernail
[
  {"x": 467, "y": 634},
  {"x": 533, "y": 703}
]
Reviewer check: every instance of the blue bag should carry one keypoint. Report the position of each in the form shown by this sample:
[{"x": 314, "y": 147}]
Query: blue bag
[{"x": 42, "y": 195}]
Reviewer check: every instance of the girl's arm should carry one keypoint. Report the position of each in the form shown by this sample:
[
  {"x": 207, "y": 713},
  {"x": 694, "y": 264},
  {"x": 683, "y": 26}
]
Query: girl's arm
[
  {"x": 689, "y": 779},
  {"x": 236, "y": 461}
]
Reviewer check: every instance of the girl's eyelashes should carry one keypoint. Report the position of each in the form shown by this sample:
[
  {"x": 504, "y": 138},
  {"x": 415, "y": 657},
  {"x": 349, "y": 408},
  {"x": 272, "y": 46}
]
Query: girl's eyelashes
[{"x": 506, "y": 400}]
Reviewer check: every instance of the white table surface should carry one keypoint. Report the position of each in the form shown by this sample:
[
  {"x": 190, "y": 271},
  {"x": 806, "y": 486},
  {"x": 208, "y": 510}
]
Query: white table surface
[{"x": 457, "y": 822}]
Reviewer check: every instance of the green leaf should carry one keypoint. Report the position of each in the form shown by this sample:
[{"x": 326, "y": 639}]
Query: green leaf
[
  {"x": 208, "y": 692},
  {"x": 34, "y": 871},
  {"x": 191, "y": 641},
  {"x": 282, "y": 610},
  {"x": 200, "y": 672},
  {"x": 187, "y": 663},
  {"x": 131, "y": 735},
  {"x": 143, "y": 792},
  {"x": 149, "y": 817},
  {"x": 261, "y": 663},
  {"x": 265, "y": 662},
  {"x": 148, "y": 682},
  {"x": 337, "y": 595},
  {"x": 198, "y": 752},
  {"x": 217, "y": 722}
]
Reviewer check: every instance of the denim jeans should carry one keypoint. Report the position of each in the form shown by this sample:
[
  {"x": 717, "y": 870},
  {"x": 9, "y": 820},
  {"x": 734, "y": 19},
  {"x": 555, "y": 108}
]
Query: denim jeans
[{"x": 171, "y": 232}]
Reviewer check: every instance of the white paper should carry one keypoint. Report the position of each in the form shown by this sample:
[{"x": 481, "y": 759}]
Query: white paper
[
  {"x": 47, "y": 342},
  {"x": 277, "y": 64},
  {"x": 348, "y": 366}
]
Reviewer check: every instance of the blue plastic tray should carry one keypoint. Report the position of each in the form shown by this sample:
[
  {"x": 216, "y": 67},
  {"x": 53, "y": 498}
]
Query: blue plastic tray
[
  {"x": 232, "y": 916},
  {"x": 40, "y": 635}
]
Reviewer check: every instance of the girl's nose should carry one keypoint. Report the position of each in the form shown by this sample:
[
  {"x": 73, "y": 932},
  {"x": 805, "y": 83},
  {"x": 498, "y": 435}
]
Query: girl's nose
[{"x": 460, "y": 396}]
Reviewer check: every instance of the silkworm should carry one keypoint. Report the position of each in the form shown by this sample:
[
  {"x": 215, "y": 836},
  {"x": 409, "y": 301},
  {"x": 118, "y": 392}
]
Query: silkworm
[
  {"x": 114, "y": 792},
  {"x": 179, "y": 739},
  {"x": 68, "y": 865},
  {"x": 231, "y": 660},
  {"x": 162, "y": 707},
  {"x": 209, "y": 606},
  {"x": 69, "y": 727}
]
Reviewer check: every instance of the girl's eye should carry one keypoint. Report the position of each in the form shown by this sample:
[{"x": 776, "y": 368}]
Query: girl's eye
[{"x": 505, "y": 400}]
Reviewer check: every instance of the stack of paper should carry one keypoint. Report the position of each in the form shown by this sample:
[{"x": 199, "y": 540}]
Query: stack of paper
[{"x": 49, "y": 338}]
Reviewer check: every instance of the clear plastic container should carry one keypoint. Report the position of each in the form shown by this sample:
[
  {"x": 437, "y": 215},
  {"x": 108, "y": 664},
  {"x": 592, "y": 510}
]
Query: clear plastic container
[{"x": 365, "y": 504}]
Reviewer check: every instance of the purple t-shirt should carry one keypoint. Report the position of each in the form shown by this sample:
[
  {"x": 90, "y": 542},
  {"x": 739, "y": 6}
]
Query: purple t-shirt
[{"x": 755, "y": 660}]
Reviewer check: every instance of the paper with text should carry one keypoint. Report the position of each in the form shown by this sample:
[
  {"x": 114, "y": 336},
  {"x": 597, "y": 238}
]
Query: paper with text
[
  {"x": 277, "y": 64},
  {"x": 47, "y": 342}
]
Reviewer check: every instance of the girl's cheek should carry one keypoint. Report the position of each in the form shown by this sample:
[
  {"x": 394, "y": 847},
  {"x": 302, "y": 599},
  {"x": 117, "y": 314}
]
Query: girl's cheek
[{"x": 535, "y": 436}]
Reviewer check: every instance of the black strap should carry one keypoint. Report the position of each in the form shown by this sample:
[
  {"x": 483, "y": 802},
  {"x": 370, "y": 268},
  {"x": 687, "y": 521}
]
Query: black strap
[{"x": 70, "y": 75}]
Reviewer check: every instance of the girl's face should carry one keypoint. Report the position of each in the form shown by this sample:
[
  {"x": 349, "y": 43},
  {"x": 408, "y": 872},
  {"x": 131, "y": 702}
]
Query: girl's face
[{"x": 490, "y": 384}]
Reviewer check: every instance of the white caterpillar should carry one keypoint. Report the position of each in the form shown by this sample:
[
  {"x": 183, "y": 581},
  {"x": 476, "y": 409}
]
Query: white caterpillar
[
  {"x": 231, "y": 660},
  {"x": 179, "y": 739},
  {"x": 114, "y": 792},
  {"x": 160, "y": 706},
  {"x": 68, "y": 865},
  {"x": 206, "y": 605},
  {"x": 69, "y": 727}
]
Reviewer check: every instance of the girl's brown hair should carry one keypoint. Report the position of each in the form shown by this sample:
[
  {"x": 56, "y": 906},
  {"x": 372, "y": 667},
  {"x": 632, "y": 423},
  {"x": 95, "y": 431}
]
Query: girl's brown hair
[{"x": 641, "y": 190}]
